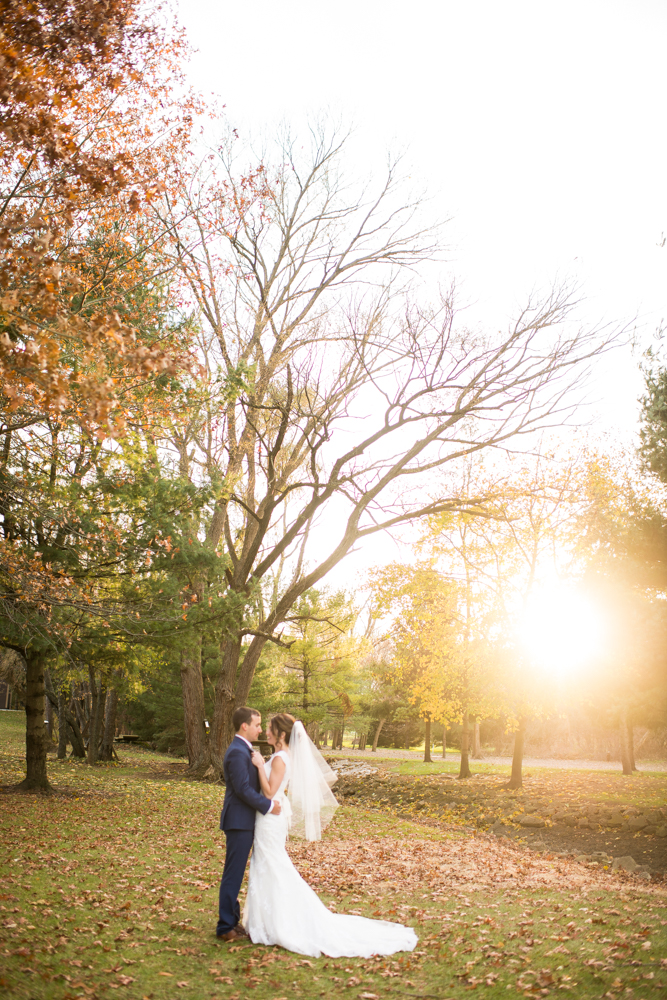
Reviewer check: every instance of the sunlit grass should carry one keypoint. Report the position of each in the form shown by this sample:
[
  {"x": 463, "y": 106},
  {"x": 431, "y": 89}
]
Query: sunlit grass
[{"x": 111, "y": 891}]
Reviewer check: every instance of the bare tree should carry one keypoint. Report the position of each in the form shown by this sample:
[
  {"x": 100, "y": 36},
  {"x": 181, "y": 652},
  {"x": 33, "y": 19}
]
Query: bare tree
[{"x": 325, "y": 406}]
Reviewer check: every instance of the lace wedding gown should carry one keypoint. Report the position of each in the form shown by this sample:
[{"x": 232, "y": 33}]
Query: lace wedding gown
[{"x": 282, "y": 909}]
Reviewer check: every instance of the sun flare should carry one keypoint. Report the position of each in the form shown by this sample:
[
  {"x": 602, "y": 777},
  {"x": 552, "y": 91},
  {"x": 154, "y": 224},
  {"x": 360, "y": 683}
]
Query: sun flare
[{"x": 562, "y": 630}]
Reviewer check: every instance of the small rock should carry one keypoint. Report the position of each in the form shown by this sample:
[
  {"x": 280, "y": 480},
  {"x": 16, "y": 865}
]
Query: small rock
[
  {"x": 583, "y": 822},
  {"x": 532, "y": 820},
  {"x": 649, "y": 829},
  {"x": 626, "y": 863},
  {"x": 582, "y": 858},
  {"x": 637, "y": 822},
  {"x": 661, "y": 831}
]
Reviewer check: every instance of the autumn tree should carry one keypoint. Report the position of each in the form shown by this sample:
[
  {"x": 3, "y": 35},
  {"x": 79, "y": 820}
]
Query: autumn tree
[
  {"x": 622, "y": 542},
  {"x": 422, "y": 617},
  {"x": 318, "y": 663},
  {"x": 529, "y": 529},
  {"x": 88, "y": 133},
  {"x": 349, "y": 395}
]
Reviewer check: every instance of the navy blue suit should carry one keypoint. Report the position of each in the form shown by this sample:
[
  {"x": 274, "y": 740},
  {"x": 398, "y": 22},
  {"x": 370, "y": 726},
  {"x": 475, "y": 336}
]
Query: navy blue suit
[{"x": 242, "y": 800}]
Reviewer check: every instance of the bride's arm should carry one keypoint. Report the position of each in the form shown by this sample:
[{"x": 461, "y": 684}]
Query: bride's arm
[{"x": 269, "y": 786}]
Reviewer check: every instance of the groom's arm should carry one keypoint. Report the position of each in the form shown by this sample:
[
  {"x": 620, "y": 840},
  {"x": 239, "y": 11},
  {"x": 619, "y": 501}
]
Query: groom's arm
[{"x": 237, "y": 767}]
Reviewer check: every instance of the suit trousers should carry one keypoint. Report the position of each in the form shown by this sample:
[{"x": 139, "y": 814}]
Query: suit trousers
[{"x": 239, "y": 843}]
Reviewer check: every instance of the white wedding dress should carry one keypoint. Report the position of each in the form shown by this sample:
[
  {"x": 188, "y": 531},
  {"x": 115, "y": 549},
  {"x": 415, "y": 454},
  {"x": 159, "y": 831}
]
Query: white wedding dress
[{"x": 282, "y": 909}]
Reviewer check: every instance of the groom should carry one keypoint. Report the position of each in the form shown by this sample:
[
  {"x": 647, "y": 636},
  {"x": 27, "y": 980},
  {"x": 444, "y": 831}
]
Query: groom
[{"x": 242, "y": 800}]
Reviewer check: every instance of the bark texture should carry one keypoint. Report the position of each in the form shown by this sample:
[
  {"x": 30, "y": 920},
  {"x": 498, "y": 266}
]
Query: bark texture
[
  {"x": 192, "y": 685},
  {"x": 107, "y": 751},
  {"x": 62, "y": 728},
  {"x": 444, "y": 741},
  {"x": 35, "y": 730},
  {"x": 97, "y": 702}
]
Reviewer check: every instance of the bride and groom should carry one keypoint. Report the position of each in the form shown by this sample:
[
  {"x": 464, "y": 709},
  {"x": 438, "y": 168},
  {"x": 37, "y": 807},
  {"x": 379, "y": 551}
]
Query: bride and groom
[{"x": 282, "y": 909}]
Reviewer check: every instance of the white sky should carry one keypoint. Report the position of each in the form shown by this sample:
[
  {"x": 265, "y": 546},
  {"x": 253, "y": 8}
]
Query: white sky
[{"x": 538, "y": 128}]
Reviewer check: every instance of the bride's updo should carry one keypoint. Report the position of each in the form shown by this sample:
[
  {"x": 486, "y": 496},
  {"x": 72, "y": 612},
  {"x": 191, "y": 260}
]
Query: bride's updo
[{"x": 281, "y": 725}]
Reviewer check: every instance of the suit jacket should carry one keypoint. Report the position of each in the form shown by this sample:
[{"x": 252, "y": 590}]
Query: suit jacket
[{"x": 242, "y": 795}]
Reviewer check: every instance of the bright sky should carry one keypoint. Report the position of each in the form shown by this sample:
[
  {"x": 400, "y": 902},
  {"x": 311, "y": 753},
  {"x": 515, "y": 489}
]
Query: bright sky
[{"x": 538, "y": 129}]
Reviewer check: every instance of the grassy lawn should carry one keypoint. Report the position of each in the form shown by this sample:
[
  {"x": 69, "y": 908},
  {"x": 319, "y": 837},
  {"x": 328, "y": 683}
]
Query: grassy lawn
[{"x": 109, "y": 889}]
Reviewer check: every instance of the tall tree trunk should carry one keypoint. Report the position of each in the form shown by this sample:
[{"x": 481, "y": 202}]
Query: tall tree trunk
[
  {"x": 631, "y": 741},
  {"x": 84, "y": 723},
  {"x": 75, "y": 737},
  {"x": 72, "y": 729},
  {"x": 62, "y": 727},
  {"x": 97, "y": 702},
  {"x": 48, "y": 717},
  {"x": 444, "y": 741},
  {"x": 626, "y": 757},
  {"x": 110, "y": 710},
  {"x": 35, "y": 730},
  {"x": 464, "y": 769},
  {"x": 228, "y": 688},
  {"x": 377, "y": 735},
  {"x": 516, "y": 777},
  {"x": 476, "y": 745},
  {"x": 192, "y": 684},
  {"x": 427, "y": 741}
]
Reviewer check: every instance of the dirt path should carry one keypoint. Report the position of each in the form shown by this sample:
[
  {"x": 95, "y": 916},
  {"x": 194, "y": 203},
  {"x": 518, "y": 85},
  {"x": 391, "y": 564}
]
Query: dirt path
[{"x": 455, "y": 758}]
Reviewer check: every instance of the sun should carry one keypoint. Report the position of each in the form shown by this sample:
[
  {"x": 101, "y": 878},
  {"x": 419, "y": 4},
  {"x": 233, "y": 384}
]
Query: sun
[{"x": 562, "y": 629}]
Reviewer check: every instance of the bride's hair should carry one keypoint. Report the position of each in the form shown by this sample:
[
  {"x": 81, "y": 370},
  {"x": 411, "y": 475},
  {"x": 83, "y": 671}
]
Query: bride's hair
[{"x": 281, "y": 725}]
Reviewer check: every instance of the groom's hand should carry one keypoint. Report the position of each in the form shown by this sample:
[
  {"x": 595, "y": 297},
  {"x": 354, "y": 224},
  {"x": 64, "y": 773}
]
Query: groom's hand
[{"x": 276, "y": 808}]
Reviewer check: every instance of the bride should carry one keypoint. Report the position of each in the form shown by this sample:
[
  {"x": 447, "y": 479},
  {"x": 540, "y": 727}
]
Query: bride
[{"x": 280, "y": 907}]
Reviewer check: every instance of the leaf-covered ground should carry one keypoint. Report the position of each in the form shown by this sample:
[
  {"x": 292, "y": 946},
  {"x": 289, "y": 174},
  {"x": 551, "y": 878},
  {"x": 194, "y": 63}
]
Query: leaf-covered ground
[
  {"x": 582, "y": 812},
  {"x": 109, "y": 890}
]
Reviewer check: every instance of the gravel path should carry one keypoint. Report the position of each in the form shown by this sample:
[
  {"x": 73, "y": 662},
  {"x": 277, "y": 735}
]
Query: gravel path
[{"x": 455, "y": 758}]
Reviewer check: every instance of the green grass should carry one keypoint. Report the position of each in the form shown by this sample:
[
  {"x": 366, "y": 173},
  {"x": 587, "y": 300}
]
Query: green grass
[{"x": 110, "y": 891}]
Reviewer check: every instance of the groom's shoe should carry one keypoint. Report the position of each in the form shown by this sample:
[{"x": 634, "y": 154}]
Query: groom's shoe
[{"x": 236, "y": 934}]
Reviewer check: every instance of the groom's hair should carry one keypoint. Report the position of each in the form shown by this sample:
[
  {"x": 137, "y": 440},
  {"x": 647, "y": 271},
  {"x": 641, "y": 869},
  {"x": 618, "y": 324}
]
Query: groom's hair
[{"x": 242, "y": 715}]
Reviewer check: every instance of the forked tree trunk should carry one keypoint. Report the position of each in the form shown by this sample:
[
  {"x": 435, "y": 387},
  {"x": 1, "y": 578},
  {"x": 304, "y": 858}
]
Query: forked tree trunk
[
  {"x": 464, "y": 769},
  {"x": 626, "y": 756},
  {"x": 110, "y": 710},
  {"x": 71, "y": 730},
  {"x": 427, "y": 741},
  {"x": 76, "y": 739},
  {"x": 516, "y": 777},
  {"x": 35, "y": 730},
  {"x": 444, "y": 741},
  {"x": 377, "y": 735}
]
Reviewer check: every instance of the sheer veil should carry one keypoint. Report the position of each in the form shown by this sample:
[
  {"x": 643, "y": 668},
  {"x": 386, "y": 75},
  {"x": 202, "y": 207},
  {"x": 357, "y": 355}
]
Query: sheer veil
[{"x": 313, "y": 802}]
